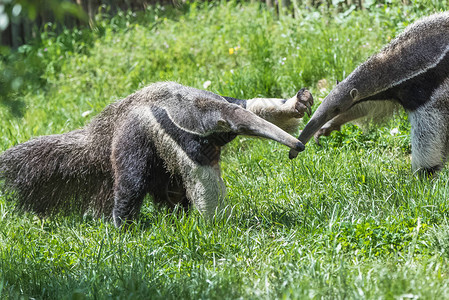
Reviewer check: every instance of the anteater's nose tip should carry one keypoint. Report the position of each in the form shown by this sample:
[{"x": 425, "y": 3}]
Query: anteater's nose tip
[
  {"x": 292, "y": 154},
  {"x": 299, "y": 148}
]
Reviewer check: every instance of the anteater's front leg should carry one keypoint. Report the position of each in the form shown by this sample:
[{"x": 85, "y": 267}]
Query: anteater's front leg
[
  {"x": 205, "y": 188},
  {"x": 356, "y": 112},
  {"x": 133, "y": 161},
  {"x": 284, "y": 113},
  {"x": 430, "y": 134},
  {"x": 364, "y": 111}
]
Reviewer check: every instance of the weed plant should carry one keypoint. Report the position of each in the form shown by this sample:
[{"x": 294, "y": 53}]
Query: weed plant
[{"x": 345, "y": 220}]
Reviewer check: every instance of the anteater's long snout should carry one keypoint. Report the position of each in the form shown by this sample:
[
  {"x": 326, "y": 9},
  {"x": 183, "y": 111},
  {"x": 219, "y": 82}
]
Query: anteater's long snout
[
  {"x": 247, "y": 123},
  {"x": 312, "y": 126},
  {"x": 336, "y": 102}
]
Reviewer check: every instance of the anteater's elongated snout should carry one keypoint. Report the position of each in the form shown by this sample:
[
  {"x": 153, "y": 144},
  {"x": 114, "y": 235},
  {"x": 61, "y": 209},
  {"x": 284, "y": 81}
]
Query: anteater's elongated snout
[
  {"x": 247, "y": 123},
  {"x": 339, "y": 100}
]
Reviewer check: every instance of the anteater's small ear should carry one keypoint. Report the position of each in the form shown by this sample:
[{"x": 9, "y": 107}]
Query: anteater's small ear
[
  {"x": 354, "y": 93},
  {"x": 338, "y": 82}
]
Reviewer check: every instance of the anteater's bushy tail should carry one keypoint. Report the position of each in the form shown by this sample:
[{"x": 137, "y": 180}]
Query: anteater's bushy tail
[{"x": 59, "y": 174}]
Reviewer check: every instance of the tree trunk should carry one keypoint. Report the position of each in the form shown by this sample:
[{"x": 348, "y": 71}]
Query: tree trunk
[{"x": 284, "y": 7}]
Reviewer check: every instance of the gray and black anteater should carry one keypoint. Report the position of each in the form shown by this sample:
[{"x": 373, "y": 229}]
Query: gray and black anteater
[{"x": 163, "y": 140}]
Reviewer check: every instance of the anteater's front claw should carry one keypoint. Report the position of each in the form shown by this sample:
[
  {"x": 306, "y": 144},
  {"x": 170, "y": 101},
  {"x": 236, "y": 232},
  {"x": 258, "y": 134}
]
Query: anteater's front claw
[{"x": 305, "y": 98}]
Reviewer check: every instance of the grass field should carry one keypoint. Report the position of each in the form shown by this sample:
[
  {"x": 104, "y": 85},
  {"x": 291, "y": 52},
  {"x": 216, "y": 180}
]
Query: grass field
[{"x": 347, "y": 220}]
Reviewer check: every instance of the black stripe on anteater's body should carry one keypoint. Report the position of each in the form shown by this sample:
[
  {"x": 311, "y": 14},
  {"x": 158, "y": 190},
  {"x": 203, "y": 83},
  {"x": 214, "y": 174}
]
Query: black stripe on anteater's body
[
  {"x": 411, "y": 72},
  {"x": 163, "y": 140}
]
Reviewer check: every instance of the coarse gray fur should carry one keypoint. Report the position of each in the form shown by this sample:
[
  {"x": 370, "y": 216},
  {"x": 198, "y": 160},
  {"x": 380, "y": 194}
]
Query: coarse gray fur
[
  {"x": 411, "y": 72},
  {"x": 163, "y": 140}
]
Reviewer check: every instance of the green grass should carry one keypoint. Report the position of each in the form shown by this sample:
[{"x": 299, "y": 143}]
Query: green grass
[{"x": 348, "y": 220}]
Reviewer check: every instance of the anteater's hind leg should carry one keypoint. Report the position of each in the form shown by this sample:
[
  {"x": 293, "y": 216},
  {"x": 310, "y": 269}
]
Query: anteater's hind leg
[
  {"x": 430, "y": 134},
  {"x": 132, "y": 159}
]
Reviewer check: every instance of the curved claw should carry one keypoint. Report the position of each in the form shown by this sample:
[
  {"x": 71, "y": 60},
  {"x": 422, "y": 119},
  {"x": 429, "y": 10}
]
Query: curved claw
[
  {"x": 305, "y": 98},
  {"x": 309, "y": 109}
]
